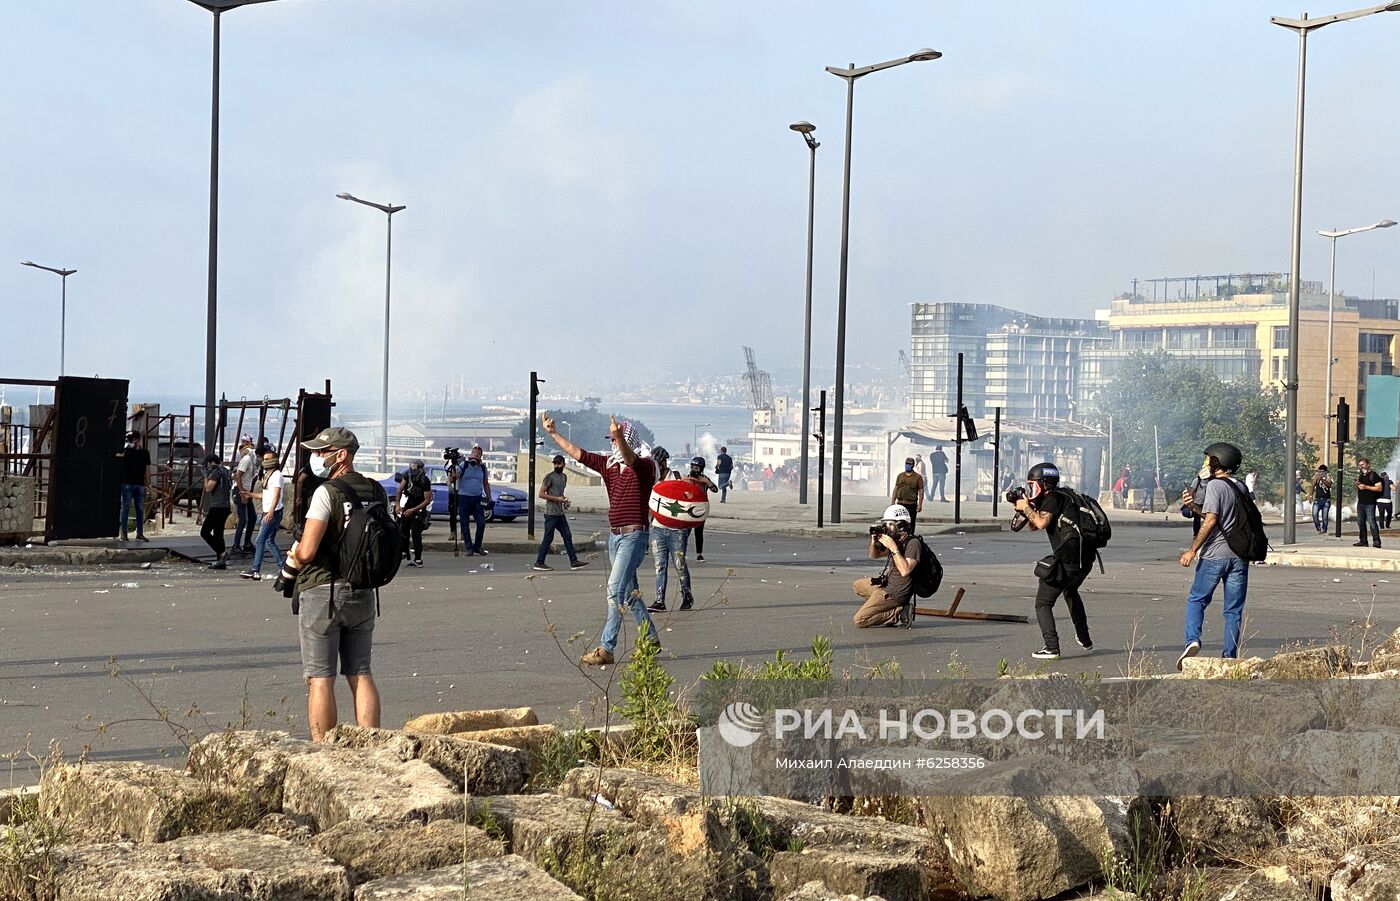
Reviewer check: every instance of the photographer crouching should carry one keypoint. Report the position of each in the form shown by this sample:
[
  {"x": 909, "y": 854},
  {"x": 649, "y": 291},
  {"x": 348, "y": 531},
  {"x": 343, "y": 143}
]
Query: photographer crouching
[
  {"x": 1041, "y": 505},
  {"x": 889, "y": 597}
]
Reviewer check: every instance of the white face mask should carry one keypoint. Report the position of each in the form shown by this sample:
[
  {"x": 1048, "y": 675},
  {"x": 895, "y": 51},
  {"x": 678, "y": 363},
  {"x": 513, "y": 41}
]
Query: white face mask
[
  {"x": 1205, "y": 472},
  {"x": 319, "y": 467}
]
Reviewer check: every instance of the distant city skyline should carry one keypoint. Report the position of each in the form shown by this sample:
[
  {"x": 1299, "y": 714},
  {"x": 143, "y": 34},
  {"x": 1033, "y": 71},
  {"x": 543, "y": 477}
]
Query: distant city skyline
[{"x": 611, "y": 194}]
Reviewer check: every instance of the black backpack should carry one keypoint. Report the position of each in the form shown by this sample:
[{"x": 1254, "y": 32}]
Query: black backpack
[
  {"x": 928, "y": 572},
  {"x": 371, "y": 547},
  {"x": 1083, "y": 519},
  {"x": 1247, "y": 539}
]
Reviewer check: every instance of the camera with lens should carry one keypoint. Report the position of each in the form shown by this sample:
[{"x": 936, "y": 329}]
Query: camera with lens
[
  {"x": 450, "y": 455},
  {"x": 878, "y": 529},
  {"x": 1015, "y": 494}
]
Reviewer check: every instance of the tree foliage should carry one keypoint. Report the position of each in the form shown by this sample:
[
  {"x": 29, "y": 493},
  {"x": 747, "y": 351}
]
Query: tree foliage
[
  {"x": 587, "y": 428},
  {"x": 1191, "y": 408}
]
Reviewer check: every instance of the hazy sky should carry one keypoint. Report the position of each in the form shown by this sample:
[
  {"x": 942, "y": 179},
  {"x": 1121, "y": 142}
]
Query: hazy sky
[{"x": 608, "y": 191}]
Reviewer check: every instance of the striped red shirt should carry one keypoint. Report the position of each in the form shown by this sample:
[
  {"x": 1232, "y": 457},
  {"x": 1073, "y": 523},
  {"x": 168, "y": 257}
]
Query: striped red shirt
[{"x": 629, "y": 488}]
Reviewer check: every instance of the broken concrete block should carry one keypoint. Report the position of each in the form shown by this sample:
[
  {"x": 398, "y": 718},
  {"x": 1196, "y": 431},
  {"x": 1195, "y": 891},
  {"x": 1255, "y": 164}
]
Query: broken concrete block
[
  {"x": 251, "y": 762},
  {"x": 475, "y": 767},
  {"x": 339, "y": 784},
  {"x": 472, "y": 720},
  {"x": 848, "y": 871},
  {"x": 508, "y": 878},
  {"x": 104, "y": 801},
  {"x": 373, "y": 852}
]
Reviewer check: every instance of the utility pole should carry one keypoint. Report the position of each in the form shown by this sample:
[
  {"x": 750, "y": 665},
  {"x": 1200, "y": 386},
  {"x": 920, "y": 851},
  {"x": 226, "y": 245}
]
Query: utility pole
[
  {"x": 996, "y": 461},
  {"x": 957, "y": 448},
  {"x": 535, "y": 381},
  {"x": 821, "y": 456},
  {"x": 1343, "y": 436}
]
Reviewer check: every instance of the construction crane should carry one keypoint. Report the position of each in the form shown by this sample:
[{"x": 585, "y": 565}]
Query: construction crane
[
  {"x": 760, "y": 385},
  {"x": 904, "y": 361}
]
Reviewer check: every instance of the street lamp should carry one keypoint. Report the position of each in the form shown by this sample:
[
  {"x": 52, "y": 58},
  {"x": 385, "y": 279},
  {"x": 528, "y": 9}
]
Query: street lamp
[
  {"x": 568, "y": 429},
  {"x": 695, "y": 436},
  {"x": 1331, "y": 296},
  {"x": 850, "y": 74},
  {"x": 1302, "y": 25},
  {"x": 805, "y": 129},
  {"x": 63, "y": 308},
  {"x": 211, "y": 319},
  {"x": 388, "y": 209}
]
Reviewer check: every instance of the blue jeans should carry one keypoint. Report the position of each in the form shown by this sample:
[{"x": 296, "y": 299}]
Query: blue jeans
[
  {"x": 247, "y": 523},
  {"x": 625, "y": 552},
  {"x": 267, "y": 538},
  {"x": 723, "y": 486},
  {"x": 667, "y": 546},
  {"x": 134, "y": 495},
  {"x": 561, "y": 524},
  {"x": 1366, "y": 513},
  {"x": 1321, "y": 514},
  {"x": 1234, "y": 572},
  {"x": 937, "y": 484},
  {"x": 469, "y": 508}
]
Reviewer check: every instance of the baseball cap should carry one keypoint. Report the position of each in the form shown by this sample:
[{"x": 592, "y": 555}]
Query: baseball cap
[
  {"x": 336, "y": 437},
  {"x": 558, "y": 458}
]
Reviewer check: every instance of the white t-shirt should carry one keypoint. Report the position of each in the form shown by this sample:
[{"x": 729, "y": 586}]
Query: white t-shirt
[
  {"x": 274, "y": 483},
  {"x": 320, "y": 507},
  {"x": 247, "y": 471}
]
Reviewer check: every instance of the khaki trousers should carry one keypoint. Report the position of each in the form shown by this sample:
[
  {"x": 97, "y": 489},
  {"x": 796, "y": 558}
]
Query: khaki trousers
[{"x": 879, "y": 608}]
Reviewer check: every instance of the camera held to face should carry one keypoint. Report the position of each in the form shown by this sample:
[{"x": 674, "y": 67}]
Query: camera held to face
[
  {"x": 1015, "y": 494},
  {"x": 451, "y": 454}
]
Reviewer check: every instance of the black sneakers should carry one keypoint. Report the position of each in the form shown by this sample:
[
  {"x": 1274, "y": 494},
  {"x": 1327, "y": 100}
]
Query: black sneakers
[
  {"x": 657, "y": 607},
  {"x": 1086, "y": 645},
  {"x": 543, "y": 568},
  {"x": 578, "y": 564},
  {"x": 1046, "y": 654}
]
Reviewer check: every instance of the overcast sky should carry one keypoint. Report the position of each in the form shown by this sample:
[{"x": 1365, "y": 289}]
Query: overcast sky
[{"x": 608, "y": 191}]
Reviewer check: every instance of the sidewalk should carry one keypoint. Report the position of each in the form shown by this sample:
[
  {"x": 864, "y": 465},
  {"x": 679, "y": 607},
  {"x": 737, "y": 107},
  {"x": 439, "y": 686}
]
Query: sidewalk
[{"x": 1329, "y": 552}]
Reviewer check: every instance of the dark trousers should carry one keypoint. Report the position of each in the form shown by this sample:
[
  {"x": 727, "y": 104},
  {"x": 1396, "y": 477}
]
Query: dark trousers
[
  {"x": 469, "y": 508},
  {"x": 213, "y": 530},
  {"x": 1045, "y": 599},
  {"x": 412, "y": 529},
  {"x": 1366, "y": 513},
  {"x": 1385, "y": 512},
  {"x": 247, "y": 527},
  {"x": 699, "y": 539},
  {"x": 553, "y": 523},
  {"x": 913, "y": 515}
]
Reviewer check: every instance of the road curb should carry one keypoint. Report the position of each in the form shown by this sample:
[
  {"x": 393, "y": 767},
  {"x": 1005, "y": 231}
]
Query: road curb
[
  {"x": 79, "y": 556},
  {"x": 1334, "y": 561}
]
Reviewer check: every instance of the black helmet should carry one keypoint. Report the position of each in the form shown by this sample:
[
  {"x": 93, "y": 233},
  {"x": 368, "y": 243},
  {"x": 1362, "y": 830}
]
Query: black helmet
[
  {"x": 1227, "y": 455},
  {"x": 698, "y": 461},
  {"x": 1048, "y": 473},
  {"x": 660, "y": 453}
]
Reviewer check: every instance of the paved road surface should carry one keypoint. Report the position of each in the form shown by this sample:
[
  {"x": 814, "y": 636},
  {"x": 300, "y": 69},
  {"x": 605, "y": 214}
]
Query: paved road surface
[{"x": 453, "y": 636}]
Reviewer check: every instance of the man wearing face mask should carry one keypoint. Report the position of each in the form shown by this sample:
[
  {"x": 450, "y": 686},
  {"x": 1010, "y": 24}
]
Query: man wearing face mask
[
  {"x": 336, "y": 621},
  {"x": 909, "y": 493},
  {"x": 697, "y": 476},
  {"x": 267, "y": 491},
  {"x": 1369, "y": 487},
  {"x": 1216, "y": 563},
  {"x": 216, "y": 505},
  {"x": 473, "y": 489},
  {"x": 1043, "y": 506},
  {"x": 414, "y": 501},
  {"x": 136, "y": 463},
  {"x": 556, "y": 517}
]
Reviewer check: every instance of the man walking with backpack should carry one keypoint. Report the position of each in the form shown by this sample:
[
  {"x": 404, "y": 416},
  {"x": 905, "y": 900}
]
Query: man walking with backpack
[
  {"x": 1077, "y": 529},
  {"x": 336, "y": 618},
  {"x": 1227, "y": 515}
]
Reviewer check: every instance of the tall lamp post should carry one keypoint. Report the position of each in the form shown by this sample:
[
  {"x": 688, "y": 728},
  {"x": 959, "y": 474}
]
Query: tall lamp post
[
  {"x": 805, "y": 129},
  {"x": 1302, "y": 26},
  {"x": 63, "y": 308},
  {"x": 388, "y": 209},
  {"x": 211, "y": 317},
  {"x": 1331, "y": 298},
  {"x": 850, "y": 74},
  {"x": 695, "y": 437}
]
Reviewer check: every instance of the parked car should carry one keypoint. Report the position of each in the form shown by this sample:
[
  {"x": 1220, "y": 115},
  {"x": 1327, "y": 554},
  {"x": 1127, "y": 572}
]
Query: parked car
[{"x": 506, "y": 503}]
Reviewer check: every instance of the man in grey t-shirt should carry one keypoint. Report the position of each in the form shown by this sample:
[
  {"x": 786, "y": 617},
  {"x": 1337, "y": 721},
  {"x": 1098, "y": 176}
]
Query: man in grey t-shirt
[
  {"x": 555, "y": 506},
  {"x": 1215, "y": 562}
]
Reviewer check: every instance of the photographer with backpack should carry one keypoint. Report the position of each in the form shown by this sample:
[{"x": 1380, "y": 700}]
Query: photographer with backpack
[
  {"x": 1231, "y": 537},
  {"x": 350, "y": 546},
  {"x": 1077, "y": 529},
  {"x": 889, "y": 597}
]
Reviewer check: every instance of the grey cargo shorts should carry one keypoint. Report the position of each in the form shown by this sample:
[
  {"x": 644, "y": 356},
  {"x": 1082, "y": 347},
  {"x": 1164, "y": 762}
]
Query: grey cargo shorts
[{"x": 346, "y": 634}]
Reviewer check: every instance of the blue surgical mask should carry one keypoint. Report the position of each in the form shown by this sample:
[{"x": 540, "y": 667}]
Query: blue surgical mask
[
  {"x": 319, "y": 467},
  {"x": 908, "y": 467}
]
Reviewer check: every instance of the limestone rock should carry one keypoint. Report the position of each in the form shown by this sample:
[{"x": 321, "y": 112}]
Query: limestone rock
[
  {"x": 1229, "y": 828},
  {"x": 297, "y": 831},
  {"x": 1221, "y": 668},
  {"x": 104, "y": 801},
  {"x": 1386, "y": 655},
  {"x": 1364, "y": 876},
  {"x": 253, "y": 763},
  {"x": 472, "y": 720},
  {"x": 507, "y": 878},
  {"x": 1270, "y": 884},
  {"x": 227, "y": 865},
  {"x": 816, "y": 891},
  {"x": 339, "y": 784},
  {"x": 688, "y": 821},
  {"x": 373, "y": 852},
  {"x": 1355, "y": 762},
  {"x": 11, "y": 799},
  {"x": 473, "y": 766},
  {"x": 530, "y": 739},
  {"x": 1007, "y": 838},
  {"x": 852, "y": 872},
  {"x": 1312, "y": 663}
]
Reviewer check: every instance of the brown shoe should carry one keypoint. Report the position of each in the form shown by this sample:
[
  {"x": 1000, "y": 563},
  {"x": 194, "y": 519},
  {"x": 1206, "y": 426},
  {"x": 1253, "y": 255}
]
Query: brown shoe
[{"x": 597, "y": 657}]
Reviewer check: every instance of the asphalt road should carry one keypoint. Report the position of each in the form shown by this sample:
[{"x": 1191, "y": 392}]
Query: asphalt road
[{"x": 453, "y": 636}]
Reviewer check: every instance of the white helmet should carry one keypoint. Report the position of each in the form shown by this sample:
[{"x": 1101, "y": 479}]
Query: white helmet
[{"x": 897, "y": 513}]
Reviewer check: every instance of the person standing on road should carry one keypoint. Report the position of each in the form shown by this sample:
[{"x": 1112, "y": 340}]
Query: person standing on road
[
  {"x": 244, "y": 475},
  {"x": 1322, "y": 499},
  {"x": 1215, "y": 562},
  {"x": 1042, "y": 504},
  {"x": 1369, "y": 487},
  {"x": 414, "y": 501},
  {"x": 336, "y": 621},
  {"x": 473, "y": 488},
  {"x": 556, "y": 517},
  {"x": 216, "y": 504},
  {"x": 724, "y": 468},
  {"x": 1251, "y": 482},
  {"x": 269, "y": 494},
  {"x": 888, "y": 599},
  {"x": 909, "y": 493},
  {"x": 698, "y": 477},
  {"x": 668, "y": 545},
  {"x": 922, "y": 469},
  {"x": 939, "y": 465},
  {"x": 136, "y": 464},
  {"x": 1384, "y": 509},
  {"x": 628, "y": 478}
]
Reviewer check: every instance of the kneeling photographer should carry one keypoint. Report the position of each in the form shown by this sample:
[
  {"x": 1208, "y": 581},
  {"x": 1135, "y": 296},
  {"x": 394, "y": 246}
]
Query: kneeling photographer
[
  {"x": 889, "y": 597},
  {"x": 1043, "y": 506}
]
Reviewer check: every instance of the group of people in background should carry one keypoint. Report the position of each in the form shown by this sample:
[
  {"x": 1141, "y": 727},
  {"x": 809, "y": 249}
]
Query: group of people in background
[{"x": 256, "y": 488}]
